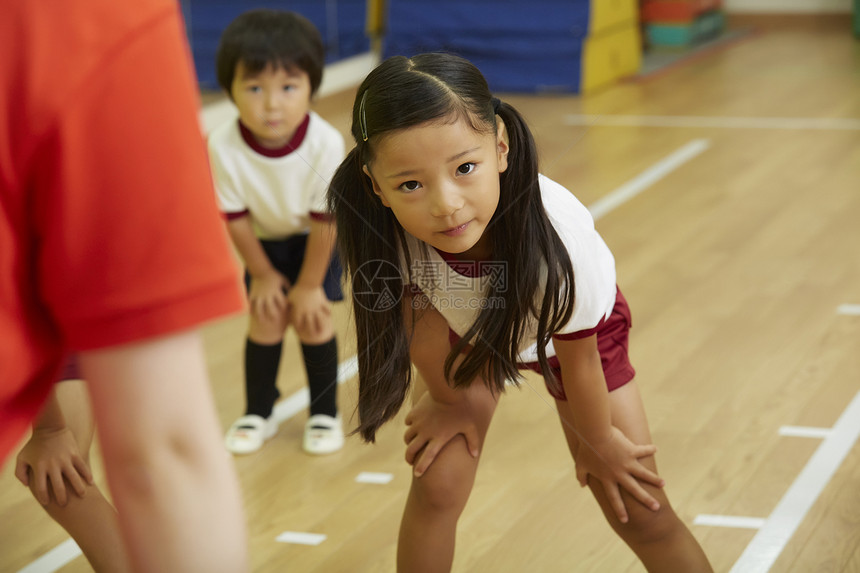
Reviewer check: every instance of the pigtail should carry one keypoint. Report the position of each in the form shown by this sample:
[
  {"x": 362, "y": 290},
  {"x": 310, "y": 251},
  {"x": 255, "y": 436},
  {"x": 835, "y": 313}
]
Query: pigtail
[
  {"x": 556, "y": 306},
  {"x": 367, "y": 240},
  {"x": 522, "y": 237}
]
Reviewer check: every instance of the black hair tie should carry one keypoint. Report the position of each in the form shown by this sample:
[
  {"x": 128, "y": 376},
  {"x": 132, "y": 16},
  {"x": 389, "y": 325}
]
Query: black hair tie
[{"x": 497, "y": 103}]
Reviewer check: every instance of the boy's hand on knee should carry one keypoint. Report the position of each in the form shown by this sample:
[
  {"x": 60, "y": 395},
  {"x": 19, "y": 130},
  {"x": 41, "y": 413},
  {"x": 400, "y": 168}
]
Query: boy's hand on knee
[
  {"x": 432, "y": 424},
  {"x": 310, "y": 309},
  {"x": 52, "y": 455},
  {"x": 267, "y": 295}
]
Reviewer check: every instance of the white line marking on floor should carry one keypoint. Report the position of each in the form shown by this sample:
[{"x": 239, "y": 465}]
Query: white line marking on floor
[
  {"x": 729, "y": 521},
  {"x": 299, "y": 401},
  {"x": 849, "y": 309},
  {"x": 647, "y": 178},
  {"x": 374, "y": 477},
  {"x": 347, "y": 369},
  {"x": 54, "y": 559},
  {"x": 804, "y": 432},
  {"x": 802, "y": 123},
  {"x": 301, "y": 538},
  {"x": 768, "y": 543}
]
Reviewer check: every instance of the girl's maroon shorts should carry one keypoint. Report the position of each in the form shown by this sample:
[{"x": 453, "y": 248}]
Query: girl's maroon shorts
[{"x": 612, "y": 343}]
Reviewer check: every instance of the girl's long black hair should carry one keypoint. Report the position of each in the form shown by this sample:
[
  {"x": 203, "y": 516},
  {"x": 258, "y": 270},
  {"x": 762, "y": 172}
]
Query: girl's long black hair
[{"x": 441, "y": 88}]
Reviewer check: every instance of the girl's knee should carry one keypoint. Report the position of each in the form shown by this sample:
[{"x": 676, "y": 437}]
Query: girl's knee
[
  {"x": 447, "y": 483},
  {"x": 645, "y": 526}
]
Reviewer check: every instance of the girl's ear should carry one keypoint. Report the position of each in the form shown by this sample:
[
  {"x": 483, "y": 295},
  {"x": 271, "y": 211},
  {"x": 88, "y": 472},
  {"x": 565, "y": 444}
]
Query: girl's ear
[
  {"x": 375, "y": 186},
  {"x": 502, "y": 144}
]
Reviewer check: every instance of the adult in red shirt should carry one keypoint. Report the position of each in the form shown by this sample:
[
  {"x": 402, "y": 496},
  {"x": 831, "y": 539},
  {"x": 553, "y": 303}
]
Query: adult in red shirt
[{"x": 111, "y": 247}]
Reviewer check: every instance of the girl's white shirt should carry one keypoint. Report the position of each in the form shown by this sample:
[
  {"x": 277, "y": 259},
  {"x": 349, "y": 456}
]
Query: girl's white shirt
[
  {"x": 279, "y": 192},
  {"x": 460, "y": 298}
]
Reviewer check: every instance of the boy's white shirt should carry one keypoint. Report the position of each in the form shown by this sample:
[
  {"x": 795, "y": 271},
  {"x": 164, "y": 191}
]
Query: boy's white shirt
[
  {"x": 279, "y": 192},
  {"x": 459, "y": 298}
]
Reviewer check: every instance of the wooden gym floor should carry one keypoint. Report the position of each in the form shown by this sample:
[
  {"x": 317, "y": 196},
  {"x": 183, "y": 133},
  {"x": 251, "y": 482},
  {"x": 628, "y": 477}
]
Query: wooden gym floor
[{"x": 728, "y": 187}]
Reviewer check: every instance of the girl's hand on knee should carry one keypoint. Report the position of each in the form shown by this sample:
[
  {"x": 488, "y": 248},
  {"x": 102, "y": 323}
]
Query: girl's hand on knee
[
  {"x": 52, "y": 455},
  {"x": 267, "y": 296},
  {"x": 432, "y": 424},
  {"x": 615, "y": 463}
]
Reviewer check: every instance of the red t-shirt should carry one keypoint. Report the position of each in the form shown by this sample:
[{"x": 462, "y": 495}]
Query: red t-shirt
[{"x": 109, "y": 230}]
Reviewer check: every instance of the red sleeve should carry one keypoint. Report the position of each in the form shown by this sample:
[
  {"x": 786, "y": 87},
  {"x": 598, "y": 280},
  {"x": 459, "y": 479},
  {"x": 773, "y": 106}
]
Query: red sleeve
[
  {"x": 132, "y": 244},
  {"x": 580, "y": 333},
  {"x": 232, "y": 216},
  {"x": 322, "y": 217}
]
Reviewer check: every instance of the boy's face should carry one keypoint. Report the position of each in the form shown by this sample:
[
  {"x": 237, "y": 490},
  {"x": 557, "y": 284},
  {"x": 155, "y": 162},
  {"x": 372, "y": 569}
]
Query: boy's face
[{"x": 272, "y": 103}]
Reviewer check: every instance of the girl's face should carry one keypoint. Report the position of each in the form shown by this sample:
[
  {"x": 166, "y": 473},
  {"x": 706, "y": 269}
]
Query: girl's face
[
  {"x": 441, "y": 181},
  {"x": 273, "y": 103}
]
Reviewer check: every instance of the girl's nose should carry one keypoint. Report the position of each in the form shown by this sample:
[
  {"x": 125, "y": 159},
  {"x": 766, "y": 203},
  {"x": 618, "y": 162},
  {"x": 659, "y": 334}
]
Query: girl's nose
[{"x": 446, "y": 201}]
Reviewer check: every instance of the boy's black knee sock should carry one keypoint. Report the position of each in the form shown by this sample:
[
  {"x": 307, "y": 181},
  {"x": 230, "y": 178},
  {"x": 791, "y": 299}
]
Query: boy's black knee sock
[
  {"x": 261, "y": 374},
  {"x": 321, "y": 366}
]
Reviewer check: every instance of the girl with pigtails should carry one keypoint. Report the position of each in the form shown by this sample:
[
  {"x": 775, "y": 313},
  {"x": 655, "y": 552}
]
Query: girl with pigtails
[{"x": 500, "y": 270}]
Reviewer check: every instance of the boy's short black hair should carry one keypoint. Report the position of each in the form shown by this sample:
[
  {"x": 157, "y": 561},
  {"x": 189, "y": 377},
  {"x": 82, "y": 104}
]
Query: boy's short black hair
[{"x": 263, "y": 37}]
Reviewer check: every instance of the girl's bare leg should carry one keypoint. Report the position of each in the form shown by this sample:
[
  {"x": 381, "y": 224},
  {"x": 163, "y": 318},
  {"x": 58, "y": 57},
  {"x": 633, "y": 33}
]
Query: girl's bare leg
[
  {"x": 435, "y": 502},
  {"x": 659, "y": 538},
  {"x": 91, "y": 520},
  {"x": 437, "y": 498}
]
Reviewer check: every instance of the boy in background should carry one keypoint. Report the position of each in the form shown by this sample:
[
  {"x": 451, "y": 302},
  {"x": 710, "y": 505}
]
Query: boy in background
[{"x": 271, "y": 169}]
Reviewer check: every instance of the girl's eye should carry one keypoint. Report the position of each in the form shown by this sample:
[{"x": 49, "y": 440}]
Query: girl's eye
[
  {"x": 254, "y": 89},
  {"x": 289, "y": 88},
  {"x": 410, "y": 186},
  {"x": 466, "y": 168}
]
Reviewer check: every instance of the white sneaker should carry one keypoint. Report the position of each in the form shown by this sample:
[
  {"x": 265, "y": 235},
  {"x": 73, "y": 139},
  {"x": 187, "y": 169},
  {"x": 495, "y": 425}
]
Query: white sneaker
[
  {"x": 248, "y": 433},
  {"x": 323, "y": 435}
]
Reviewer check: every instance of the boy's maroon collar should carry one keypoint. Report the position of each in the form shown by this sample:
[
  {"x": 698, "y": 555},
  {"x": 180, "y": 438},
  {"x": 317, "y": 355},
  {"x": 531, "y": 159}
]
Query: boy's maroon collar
[{"x": 289, "y": 147}]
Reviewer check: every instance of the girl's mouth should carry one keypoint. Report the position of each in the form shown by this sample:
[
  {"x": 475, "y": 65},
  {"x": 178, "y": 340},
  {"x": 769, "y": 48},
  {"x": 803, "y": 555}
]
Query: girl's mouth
[{"x": 455, "y": 231}]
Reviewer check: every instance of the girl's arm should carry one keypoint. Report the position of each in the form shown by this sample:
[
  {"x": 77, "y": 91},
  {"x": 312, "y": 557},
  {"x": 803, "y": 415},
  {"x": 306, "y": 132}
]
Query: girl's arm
[
  {"x": 52, "y": 455},
  {"x": 307, "y": 298},
  {"x": 604, "y": 452},
  {"x": 51, "y": 417},
  {"x": 175, "y": 488},
  {"x": 267, "y": 296},
  {"x": 440, "y": 412}
]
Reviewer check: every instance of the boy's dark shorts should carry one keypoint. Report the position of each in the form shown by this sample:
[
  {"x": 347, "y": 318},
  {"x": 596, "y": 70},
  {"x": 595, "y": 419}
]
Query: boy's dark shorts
[{"x": 287, "y": 255}]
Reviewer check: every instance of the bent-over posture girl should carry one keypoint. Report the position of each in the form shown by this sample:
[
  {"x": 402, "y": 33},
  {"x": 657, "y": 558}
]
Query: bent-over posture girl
[{"x": 503, "y": 270}]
